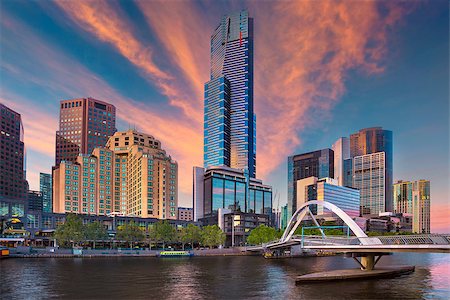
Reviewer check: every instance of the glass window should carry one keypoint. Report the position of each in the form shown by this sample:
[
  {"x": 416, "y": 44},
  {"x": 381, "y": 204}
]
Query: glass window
[
  {"x": 208, "y": 196},
  {"x": 229, "y": 195},
  {"x": 217, "y": 191},
  {"x": 259, "y": 202},
  {"x": 4, "y": 208},
  {"x": 251, "y": 202},
  {"x": 240, "y": 196},
  {"x": 18, "y": 210}
]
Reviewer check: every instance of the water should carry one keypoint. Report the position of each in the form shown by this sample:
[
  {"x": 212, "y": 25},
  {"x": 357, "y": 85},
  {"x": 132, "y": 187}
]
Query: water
[{"x": 215, "y": 278}]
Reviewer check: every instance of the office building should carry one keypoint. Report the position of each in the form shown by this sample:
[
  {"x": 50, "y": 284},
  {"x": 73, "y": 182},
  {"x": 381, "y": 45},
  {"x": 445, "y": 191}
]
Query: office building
[
  {"x": 84, "y": 124},
  {"x": 185, "y": 214},
  {"x": 13, "y": 185},
  {"x": 369, "y": 177},
  {"x": 197, "y": 195},
  {"x": 413, "y": 197},
  {"x": 35, "y": 200},
  {"x": 327, "y": 189},
  {"x": 146, "y": 178},
  {"x": 229, "y": 120},
  {"x": 45, "y": 187},
  {"x": 374, "y": 140},
  {"x": 318, "y": 164},
  {"x": 341, "y": 150},
  {"x": 284, "y": 217}
]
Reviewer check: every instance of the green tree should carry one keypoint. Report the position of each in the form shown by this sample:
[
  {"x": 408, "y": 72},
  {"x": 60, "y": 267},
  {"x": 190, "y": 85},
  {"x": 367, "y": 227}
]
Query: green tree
[
  {"x": 163, "y": 232},
  {"x": 190, "y": 235},
  {"x": 95, "y": 231},
  {"x": 130, "y": 232},
  {"x": 71, "y": 231},
  {"x": 212, "y": 236},
  {"x": 262, "y": 234}
]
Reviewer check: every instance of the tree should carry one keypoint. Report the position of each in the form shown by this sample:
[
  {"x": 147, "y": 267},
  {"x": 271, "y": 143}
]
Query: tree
[
  {"x": 212, "y": 236},
  {"x": 262, "y": 234},
  {"x": 163, "y": 232},
  {"x": 72, "y": 230},
  {"x": 130, "y": 232},
  {"x": 95, "y": 231},
  {"x": 190, "y": 235}
]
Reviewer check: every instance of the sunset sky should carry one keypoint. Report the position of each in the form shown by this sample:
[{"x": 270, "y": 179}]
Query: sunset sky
[{"x": 323, "y": 69}]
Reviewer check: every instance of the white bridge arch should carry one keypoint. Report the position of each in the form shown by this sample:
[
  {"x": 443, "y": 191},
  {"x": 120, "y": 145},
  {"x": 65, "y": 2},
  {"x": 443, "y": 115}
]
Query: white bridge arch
[{"x": 301, "y": 212}]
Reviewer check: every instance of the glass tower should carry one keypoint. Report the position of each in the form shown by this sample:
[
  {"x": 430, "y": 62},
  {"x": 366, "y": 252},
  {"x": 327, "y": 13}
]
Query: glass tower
[
  {"x": 229, "y": 121},
  {"x": 45, "y": 184}
]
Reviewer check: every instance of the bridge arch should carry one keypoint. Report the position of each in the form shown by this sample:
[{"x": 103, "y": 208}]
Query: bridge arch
[{"x": 301, "y": 212}]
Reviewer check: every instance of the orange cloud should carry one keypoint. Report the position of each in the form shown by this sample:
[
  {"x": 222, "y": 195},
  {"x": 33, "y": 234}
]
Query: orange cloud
[
  {"x": 104, "y": 20},
  {"x": 303, "y": 50}
]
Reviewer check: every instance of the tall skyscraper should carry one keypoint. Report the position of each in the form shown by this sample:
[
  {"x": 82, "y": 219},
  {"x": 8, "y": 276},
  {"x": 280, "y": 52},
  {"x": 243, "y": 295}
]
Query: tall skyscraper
[
  {"x": 84, "y": 124},
  {"x": 318, "y": 163},
  {"x": 45, "y": 187},
  {"x": 229, "y": 120},
  {"x": 369, "y": 177},
  {"x": 375, "y": 140},
  {"x": 341, "y": 149},
  {"x": 13, "y": 184},
  {"x": 413, "y": 197}
]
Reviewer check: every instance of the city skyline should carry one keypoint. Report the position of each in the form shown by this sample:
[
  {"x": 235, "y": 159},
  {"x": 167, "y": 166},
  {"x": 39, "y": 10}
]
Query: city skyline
[{"x": 79, "y": 57}]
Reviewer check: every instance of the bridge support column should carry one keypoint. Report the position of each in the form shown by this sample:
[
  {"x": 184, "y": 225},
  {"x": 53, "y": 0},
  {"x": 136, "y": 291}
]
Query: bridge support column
[{"x": 368, "y": 262}]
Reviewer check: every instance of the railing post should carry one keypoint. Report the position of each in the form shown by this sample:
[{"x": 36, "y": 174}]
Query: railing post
[{"x": 302, "y": 238}]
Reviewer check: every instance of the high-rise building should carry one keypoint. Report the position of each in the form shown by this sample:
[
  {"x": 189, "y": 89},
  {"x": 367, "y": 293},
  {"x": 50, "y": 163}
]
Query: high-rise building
[
  {"x": 369, "y": 177},
  {"x": 413, "y": 197},
  {"x": 327, "y": 189},
  {"x": 146, "y": 178},
  {"x": 132, "y": 176},
  {"x": 35, "y": 200},
  {"x": 341, "y": 149},
  {"x": 375, "y": 140},
  {"x": 84, "y": 124},
  {"x": 13, "y": 184},
  {"x": 318, "y": 164},
  {"x": 229, "y": 120},
  {"x": 197, "y": 195},
  {"x": 45, "y": 187}
]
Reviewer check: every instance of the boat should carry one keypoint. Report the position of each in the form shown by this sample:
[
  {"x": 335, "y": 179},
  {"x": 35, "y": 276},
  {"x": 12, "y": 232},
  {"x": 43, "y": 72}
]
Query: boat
[
  {"x": 4, "y": 252},
  {"x": 175, "y": 254}
]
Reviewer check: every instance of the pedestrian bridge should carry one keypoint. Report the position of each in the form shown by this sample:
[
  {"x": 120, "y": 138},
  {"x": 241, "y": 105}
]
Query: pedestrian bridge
[{"x": 358, "y": 244}]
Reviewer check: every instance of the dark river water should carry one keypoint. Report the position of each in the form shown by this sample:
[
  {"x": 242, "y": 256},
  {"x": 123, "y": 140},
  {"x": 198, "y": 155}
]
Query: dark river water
[{"x": 215, "y": 278}]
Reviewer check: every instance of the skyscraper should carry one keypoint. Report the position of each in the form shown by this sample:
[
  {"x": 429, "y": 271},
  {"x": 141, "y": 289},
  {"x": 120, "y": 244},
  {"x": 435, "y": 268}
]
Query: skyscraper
[
  {"x": 318, "y": 163},
  {"x": 229, "y": 120},
  {"x": 341, "y": 149},
  {"x": 12, "y": 160},
  {"x": 413, "y": 197},
  {"x": 45, "y": 187},
  {"x": 374, "y": 140},
  {"x": 84, "y": 124}
]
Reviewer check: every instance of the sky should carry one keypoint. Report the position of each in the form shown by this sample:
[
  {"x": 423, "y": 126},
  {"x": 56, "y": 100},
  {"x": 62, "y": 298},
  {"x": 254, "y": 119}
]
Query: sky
[{"x": 323, "y": 69}]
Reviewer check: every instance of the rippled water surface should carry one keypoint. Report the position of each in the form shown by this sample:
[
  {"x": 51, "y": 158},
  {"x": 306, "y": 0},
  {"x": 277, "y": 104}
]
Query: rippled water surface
[{"x": 215, "y": 278}]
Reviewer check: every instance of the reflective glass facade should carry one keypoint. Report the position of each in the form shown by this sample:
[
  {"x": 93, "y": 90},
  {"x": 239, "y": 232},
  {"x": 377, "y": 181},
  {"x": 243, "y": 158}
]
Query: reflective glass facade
[
  {"x": 232, "y": 60},
  {"x": 45, "y": 187},
  {"x": 318, "y": 164},
  {"x": 345, "y": 198}
]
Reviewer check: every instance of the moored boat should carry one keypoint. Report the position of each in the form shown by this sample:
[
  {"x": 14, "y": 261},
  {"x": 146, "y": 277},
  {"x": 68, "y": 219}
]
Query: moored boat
[{"x": 175, "y": 254}]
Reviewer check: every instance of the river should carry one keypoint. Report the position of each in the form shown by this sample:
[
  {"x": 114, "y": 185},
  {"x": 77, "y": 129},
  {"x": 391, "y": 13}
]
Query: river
[{"x": 238, "y": 277}]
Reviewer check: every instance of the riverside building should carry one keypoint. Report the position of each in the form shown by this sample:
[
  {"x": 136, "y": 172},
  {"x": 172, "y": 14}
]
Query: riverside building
[
  {"x": 413, "y": 197},
  {"x": 45, "y": 187},
  {"x": 318, "y": 164},
  {"x": 229, "y": 120},
  {"x": 131, "y": 176},
  {"x": 84, "y": 124}
]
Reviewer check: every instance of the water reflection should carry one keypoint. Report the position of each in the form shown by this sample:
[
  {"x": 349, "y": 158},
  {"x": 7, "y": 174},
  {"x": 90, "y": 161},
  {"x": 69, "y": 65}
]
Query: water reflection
[{"x": 215, "y": 278}]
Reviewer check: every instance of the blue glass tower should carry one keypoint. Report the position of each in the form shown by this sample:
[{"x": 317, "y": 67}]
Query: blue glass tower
[{"x": 229, "y": 120}]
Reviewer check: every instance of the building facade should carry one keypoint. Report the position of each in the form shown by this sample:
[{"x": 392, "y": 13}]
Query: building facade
[
  {"x": 45, "y": 187},
  {"x": 35, "y": 201},
  {"x": 13, "y": 184},
  {"x": 84, "y": 124},
  {"x": 185, "y": 214},
  {"x": 374, "y": 140},
  {"x": 197, "y": 193},
  {"x": 341, "y": 150},
  {"x": 328, "y": 189},
  {"x": 318, "y": 164},
  {"x": 146, "y": 178},
  {"x": 229, "y": 121},
  {"x": 413, "y": 197},
  {"x": 369, "y": 177}
]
